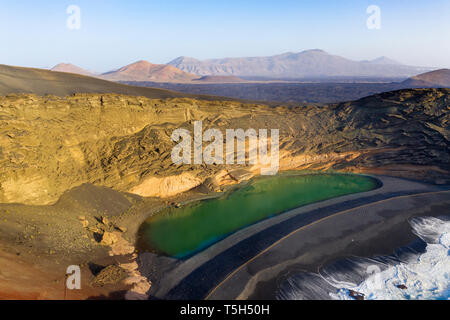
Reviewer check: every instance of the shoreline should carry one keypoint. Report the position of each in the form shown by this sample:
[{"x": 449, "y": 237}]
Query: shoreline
[
  {"x": 362, "y": 239},
  {"x": 416, "y": 271},
  {"x": 173, "y": 278},
  {"x": 163, "y": 273}
]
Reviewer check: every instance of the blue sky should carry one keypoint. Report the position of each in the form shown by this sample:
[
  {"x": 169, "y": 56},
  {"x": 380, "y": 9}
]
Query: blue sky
[{"x": 115, "y": 33}]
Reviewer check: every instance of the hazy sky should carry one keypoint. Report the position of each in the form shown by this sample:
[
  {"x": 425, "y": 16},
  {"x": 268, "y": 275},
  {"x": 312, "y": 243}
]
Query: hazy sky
[{"x": 115, "y": 33}]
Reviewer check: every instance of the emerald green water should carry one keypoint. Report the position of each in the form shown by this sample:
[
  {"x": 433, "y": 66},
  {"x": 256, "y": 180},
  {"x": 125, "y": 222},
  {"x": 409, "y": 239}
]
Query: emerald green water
[{"x": 191, "y": 228}]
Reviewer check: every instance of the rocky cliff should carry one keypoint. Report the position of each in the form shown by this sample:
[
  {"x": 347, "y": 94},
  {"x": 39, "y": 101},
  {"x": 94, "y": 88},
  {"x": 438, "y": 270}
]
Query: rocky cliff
[{"x": 53, "y": 144}]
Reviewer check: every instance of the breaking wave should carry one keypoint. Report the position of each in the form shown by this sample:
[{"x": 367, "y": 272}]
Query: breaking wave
[{"x": 419, "y": 271}]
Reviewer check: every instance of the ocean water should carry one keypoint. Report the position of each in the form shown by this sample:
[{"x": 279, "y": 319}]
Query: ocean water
[
  {"x": 417, "y": 272},
  {"x": 180, "y": 232}
]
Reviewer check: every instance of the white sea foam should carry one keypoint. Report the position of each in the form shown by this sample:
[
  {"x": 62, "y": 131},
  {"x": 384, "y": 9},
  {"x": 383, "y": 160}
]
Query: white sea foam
[{"x": 423, "y": 275}]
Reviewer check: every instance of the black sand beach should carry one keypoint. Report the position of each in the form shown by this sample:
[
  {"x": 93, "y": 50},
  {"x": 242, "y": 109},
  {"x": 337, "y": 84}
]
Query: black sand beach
[{"x": 250, "y": 263}]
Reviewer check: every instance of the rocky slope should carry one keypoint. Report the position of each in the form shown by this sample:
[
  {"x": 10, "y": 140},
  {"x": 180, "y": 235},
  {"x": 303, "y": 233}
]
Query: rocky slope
[
  {"x": 219, "y": 79},
  {"x": 438, "y": 78},
  {"x": 42, "y": 82},
  {"x": 50, "y": 145}
]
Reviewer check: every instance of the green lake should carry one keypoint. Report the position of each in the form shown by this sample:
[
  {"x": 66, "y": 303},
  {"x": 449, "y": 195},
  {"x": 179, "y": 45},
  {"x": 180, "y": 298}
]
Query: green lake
[{"x": 180, "y": 232}]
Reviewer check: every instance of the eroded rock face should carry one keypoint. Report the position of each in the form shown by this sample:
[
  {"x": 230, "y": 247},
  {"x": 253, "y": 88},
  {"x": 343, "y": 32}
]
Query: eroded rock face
[
  {"x": 108, "y": 238},
  {"x": 166, "y": 186},
  {"x": 50, "y": 145}
]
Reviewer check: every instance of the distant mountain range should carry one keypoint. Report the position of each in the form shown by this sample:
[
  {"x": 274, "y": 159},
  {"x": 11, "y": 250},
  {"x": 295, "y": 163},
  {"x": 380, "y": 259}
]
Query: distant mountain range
[
  {"x": 382, "y": 60},
  {"x": 146, "y": 71},
  {"x": 70, "y": 68},
  {"x": 306, "y": 64},
  {"x": 309, "y": 64},
  {"x": 138, "y": 71}
]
